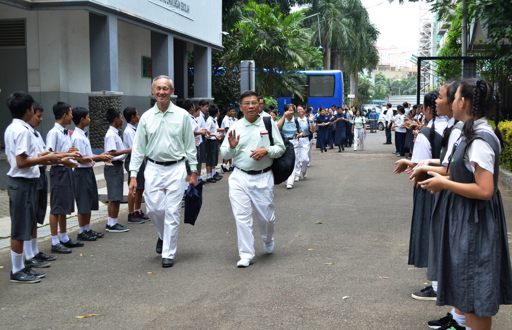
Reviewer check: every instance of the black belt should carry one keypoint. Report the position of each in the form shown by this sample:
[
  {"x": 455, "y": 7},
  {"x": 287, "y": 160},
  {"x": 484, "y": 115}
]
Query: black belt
[
  {"x": 117, "y": 162},
  {"x": 165, "y": 163},
  {"x": 42, "y": 167},
  {"x": 256, "y": 172}
]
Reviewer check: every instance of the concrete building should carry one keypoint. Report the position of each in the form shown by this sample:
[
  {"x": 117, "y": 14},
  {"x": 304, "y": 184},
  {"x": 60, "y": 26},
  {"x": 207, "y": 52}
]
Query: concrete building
[{"x": 68, "y": 50}]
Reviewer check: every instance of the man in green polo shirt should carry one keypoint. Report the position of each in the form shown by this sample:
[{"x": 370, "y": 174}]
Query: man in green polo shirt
[
  {"x": 251, "y": 185},
  {"x": 165, "y": 138}
]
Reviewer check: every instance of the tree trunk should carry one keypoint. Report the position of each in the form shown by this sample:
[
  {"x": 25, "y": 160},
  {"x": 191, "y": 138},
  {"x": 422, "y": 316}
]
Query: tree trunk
[
  {"x": 327, "y": 58},
  {"x": 354, "y": 79}
]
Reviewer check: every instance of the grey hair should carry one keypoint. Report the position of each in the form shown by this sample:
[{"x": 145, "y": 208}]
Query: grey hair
[{"x": 163, "y": 76}]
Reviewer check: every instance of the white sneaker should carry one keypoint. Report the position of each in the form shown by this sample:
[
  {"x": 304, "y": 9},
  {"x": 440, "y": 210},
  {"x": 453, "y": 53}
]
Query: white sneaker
[
  {"x": 289, "y": 186},
  {"x": 297, "y": 178},
  {"x": 269, "y": 247},
  {"x": 244, "y": 263}
]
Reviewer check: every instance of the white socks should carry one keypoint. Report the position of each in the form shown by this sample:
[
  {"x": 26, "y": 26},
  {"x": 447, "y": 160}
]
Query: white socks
[
  {"x": 434, "y": 286},
  {"x": 460, "y": 319},
  {"x": 111, "y": 221},
  {"x": 81, "y": 229},
  {"x": 64, "y": 237},
  {"x": 17, "y": 262},
  {"x": 35, "y": 249},
  {"x": 27, "y": 249},
  {"x": 55, "y": 240}
]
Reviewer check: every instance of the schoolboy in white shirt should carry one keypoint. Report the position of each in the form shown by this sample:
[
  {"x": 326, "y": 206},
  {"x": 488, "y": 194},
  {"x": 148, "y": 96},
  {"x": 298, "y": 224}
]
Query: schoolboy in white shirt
[
  {"x": 22, "y": 181},
  {"x": 84, "y": 180},
  {"x": 135, "y": 214},
  {"x": 114, "y": 174},
  {"x": 62, "y": 200}
]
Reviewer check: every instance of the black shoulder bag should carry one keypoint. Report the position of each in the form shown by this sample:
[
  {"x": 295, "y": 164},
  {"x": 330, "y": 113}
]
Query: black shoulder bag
[{"x": 283, "y": 166}]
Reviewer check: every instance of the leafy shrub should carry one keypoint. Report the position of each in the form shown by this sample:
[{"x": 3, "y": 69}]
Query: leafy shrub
[{"x": 506, "y": 154}]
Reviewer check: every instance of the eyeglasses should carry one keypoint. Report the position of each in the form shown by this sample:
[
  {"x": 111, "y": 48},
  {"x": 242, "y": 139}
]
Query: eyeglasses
[{"x": 247, "y": 104}]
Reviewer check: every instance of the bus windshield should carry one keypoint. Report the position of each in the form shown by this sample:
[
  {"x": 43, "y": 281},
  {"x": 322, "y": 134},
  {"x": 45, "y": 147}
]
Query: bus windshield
[{"x": 321, "y": 85}]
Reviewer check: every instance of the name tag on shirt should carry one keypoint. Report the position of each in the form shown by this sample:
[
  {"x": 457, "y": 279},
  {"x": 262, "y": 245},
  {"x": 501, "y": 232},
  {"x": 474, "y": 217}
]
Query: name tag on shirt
[{"x": 263, "y": 133}]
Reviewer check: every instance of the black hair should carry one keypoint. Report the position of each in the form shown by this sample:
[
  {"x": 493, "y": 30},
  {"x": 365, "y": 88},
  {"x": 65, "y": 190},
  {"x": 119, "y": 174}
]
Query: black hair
[
  {"x": 451, "y": 89},
  {"x": 260, "y": 97},
  {"x": 60, "y": 109},
  {"x": 188, "y": 105},
  {"x": 79, "y": 113},
  {"x": 37, "y": 107},
  {"x": 389, "y": 105},
  {"x": 203, "y": 103},
  {"x": 405, "y": 104},
  {"x": 112, "y": 114},
  {"x": 400, "y": 109},
  {"x": 484, "y": 102},
  {"x": 247, "y": 94},
  {"x": 429, "y": 100},
  {"x": 128, "y": 113},
  {"x": 19, "y": 103},
  {"x": 213, "y": 110}
]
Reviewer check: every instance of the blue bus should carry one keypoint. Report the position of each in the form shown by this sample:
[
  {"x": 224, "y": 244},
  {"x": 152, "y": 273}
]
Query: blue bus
[{"x": 324, "y": 88}]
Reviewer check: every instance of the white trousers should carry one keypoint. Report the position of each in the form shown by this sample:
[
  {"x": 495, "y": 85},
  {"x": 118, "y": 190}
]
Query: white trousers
[
  {"x": 358, "y": 138},
  {"x": 251, "y": 197},
  {"x": 163, "y": 192},
  {"x": 301, "y": 147}
]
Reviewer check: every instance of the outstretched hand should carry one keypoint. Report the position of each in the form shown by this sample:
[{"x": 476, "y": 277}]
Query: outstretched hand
[
  {"x": 434, "y": 184},
  {"x": 233, "y": 139},
  {"x": 402, "y": 165}
]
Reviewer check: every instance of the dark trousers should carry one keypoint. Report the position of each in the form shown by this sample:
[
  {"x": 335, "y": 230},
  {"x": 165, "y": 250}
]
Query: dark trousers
[
  {"x": 400, "y": 143},
  {"x": 388, "y": 133}
]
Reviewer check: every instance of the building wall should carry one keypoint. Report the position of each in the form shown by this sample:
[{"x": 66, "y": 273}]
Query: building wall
[
  {"x": 200, "y": 19},
  {"x": 130, "y": 53}
]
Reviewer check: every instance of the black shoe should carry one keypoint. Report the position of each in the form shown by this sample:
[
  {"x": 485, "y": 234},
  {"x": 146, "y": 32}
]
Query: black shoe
[
  {"x": 426, "y": 293},
  {"x": 44, "y": 257},
  {"x": 34, "y": 263},
  {"x": 86, "y": 236},
  {"x": 95, "y": 233},
  {"x": 167, "y": 262},
  {"x": 23, "y": 277},
  {"x": 452, "y": 326},
  {"x": 72, "y": 244},
  {"x": 143, "y": 216},
  {"x": 159, "y": 244},
  {"x": 217, "y": 176},
  {"x": 59, "y": 248},
  {"x": 436, "y": 324},
  {"x": 135, "y": 218},
  {"x": 211, "y": 180},
  {"x": 30, "y": 271},
  {"x": 117, "y": 228},
  {"x": 224, "y": 168}
]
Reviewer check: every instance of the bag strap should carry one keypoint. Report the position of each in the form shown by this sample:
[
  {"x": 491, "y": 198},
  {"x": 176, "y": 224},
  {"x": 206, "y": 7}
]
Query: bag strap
[
  {"x": 297, "y": 126},
  {"x": 268, "y": 126}
]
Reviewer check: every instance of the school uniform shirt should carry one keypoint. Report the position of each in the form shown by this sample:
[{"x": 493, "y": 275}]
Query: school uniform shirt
[
  {"x": 227, "y": 122},
  {"x": 389, "y": 115},
  {"x": 359, "y": 122},
  {"x": 201, "y": 121},
  {"x": 399, "y": 123},
  {"x": 113, "y": 142},
  {"x": 129, "y": 135},
  {"x": 212, "y": 126},
  {"x": 164, "y": 136},
  {"x": 19, "y": 140},
  {"x": 58, "y": 139},
  {"x": 252, "y": 136},
  {"x": 195, "y": 128},
  {"x": 80, "y": 141},
  {"x": 39, "y": 142},
  {"x": 422, "y": 149},
  {"x": 480, "y": 152},
  {"x": 452, "y": 140},
  {"x": 289, "y": 128},
  {"x": 305, "y": 126}
]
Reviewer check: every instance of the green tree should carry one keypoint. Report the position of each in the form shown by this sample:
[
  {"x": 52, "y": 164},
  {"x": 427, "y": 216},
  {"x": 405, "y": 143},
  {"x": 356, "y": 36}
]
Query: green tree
[{"x": 280, "y": 44}]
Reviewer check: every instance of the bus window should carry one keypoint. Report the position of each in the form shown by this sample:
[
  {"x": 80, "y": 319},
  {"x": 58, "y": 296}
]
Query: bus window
[{"x": 321, "y": 86}]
